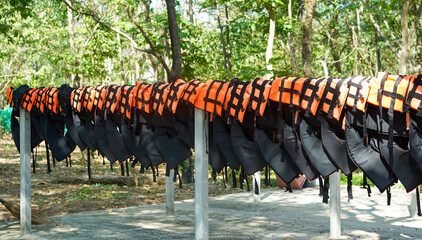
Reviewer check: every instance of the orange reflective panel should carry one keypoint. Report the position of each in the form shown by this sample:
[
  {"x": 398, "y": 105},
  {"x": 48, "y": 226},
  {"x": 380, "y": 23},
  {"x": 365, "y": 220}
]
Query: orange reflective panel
[
  {"x": 174, "y": 93},
  {"x": 357, "y": 96},
  {"x": 212, "y": 96},
  {"x": 389, "y": 87},
  {"x": 259, "y": 91}
]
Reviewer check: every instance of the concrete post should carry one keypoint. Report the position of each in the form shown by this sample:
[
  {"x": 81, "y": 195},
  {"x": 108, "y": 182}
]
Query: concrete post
[
  {"x": 170, "y": 193},
  {"x": 25, "y": 170},
  {"x": 335, "y": 217},
  {"x": 201, "y": 175}
]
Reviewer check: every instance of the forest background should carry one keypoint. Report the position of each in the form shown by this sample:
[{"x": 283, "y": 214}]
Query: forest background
[{"x": 48, "y": 43}]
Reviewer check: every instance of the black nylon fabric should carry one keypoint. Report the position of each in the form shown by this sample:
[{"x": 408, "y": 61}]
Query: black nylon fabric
[
  {"x": 150, "y": 147},
  {"x": 334, "y": 146},
  {"x": 184, "y": 124},
  {"x": 132, "y": 137},
  {"x": 276, "y": 157},
  {"x": 367, "y": 159},
  {"x": 312, "y": 145},
  {"x": 72, "y": 131},
  {"x": 14, "y": 125},
  {"x": 293, "y": 146},
  {"x": 246, "y": 150},
  {"x": 60, "y": 146},
  {"x": 215, "y": 157},
  {"x": 403, "y": 165},
  {"x": 82, "y": 132},
  {"x": 221, "y": 136},
  {"x": 172, "y": 149},
  {"x": 17, "y": 95},
  {"x": 415, "y": 141},
  {"x": 116, "y": 143},
  {"x": 89, "y": 127},
  {"x": 100, "y": 135}
]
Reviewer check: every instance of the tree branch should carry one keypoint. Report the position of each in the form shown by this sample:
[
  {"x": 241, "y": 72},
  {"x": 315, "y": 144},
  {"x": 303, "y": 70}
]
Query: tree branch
[
  {"x": 97, "y": 19},
  {"x": 152, "y": 51}
]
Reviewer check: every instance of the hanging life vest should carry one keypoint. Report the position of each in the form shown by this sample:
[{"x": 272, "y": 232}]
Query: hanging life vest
[
  {"x": 174, "y": 93},
  {"x": 237, "y": 99},
  {"x": 259, "y": 91},
  {"x": 212, "y": 97},
  {"x": 191, "y": 91}
]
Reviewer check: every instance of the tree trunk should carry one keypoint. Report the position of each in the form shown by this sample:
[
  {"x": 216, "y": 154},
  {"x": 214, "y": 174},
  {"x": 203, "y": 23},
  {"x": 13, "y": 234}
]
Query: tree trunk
[
  {"x": 404, "y": 54},
  {"x": 176, "y": 67},
  {"x": 223, "y": 43},
  {"x": 292, "y": 41},
  {"x": 334, "y": 45},
  {"x": 229, "y": 50},
  {"x": 307, "y": 37},
  {"x": 122, "y": 73},
  {"x": 72, "y": 43},
  {"x": 270, "y": 43}
]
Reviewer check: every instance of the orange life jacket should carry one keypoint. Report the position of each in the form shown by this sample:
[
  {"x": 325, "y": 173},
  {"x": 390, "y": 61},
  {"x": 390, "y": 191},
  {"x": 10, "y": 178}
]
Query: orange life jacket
[
  {"x": 259, "y": 91},
  {"x": 158, "y": 97},
  {"x": 174, "y": 93},
  {"x": 52, "y": 101},
  {"x": 237, "y": 99},
  {"x": 334, "y": 97},
  {"x": 29, "y": 99},
  {"x": 312, "y": 94},
  {"x": 88, "y": 100},
  {"x": 110, "y": 98},
  {"x": 290, "y": 90},
  {"x": 414, "y": 95},
  {"x": 125, "y": 100},
  {"x": 192, "y": 90},
  {"x": 357, "y": 96},
  {"x": 141, "y": 96},
  {"x": 386, "y": 87},
  {"x": 9, "y": 94},
  {"x": 99, "y": 96},
  {"x": 76, "y": 98},
  {"x": 212, "y": 96}
]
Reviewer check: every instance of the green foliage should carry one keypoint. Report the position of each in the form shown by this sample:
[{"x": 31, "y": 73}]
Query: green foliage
[{"x": 96, "y": 191}]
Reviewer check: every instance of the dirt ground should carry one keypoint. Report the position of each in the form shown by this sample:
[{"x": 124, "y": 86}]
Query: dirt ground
[{"x": 65, "y": 189}]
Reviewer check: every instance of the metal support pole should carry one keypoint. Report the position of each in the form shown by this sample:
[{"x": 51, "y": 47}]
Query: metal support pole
[
  {"x": 25, "y": 170},
  {"x": 169, "y": 191},
  {"x": 256, "y": 186},
  {"x": 335, "y": 217},
  {"x": 201, "y": 175}
]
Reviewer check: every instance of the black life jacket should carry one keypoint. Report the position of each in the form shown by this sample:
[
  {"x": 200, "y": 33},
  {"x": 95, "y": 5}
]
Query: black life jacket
[
  {"x": 286, "y": 129},
  {"x": 115, "y": 140},
  {"x": 276, "y": 157},
  {"x": 150, "y": 146},
  {"x": 312, "y": 144},
  {"x": 101, "y": 137},
  {"x": 132, "y": 136},
  {"x": 310, "y": 126},
  {"x": 246, "y": 150},
  {"x": 415, "y": 137},
  {"x": 171, "y": 148},
  {"x": 221, "y": 136},
  {"x": 398, "y": 158},
  {"x": 184, "y": 123},
  {"x": 15, "y": 128},
  {"x": 334, "y": 146},
  {"x": 215, "y": 157},
  {"x": 365, "y": 155},
  {"x": 332, "y": 115}
]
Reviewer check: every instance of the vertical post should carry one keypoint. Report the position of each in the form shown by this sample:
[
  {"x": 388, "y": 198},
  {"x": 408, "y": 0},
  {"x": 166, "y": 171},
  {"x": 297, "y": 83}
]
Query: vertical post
[
  {"x": 413, "y": 208},
  {"x": 335, "y": 218},
  {"x": 201, "y": 175},
  {"x": 25, "y": 170},
  {"x": 256, "y": 186},
  {"x": 169, "y": 191}
]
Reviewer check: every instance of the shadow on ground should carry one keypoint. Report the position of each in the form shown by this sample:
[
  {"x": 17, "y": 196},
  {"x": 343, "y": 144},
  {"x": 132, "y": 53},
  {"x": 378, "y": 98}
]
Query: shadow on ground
[{"x": 297, "y": 215}]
